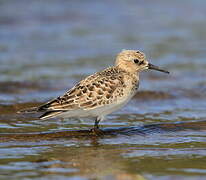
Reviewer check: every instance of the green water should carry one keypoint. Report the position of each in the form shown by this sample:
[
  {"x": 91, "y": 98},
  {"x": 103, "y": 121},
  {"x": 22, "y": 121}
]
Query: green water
[{"x": 47, "y": 46}]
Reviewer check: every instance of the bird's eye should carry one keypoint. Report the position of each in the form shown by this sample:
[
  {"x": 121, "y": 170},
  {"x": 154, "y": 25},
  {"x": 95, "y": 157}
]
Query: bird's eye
[{"x": 136, "y": 61}]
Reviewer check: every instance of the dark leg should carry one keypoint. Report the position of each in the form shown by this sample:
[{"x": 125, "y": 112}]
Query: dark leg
[
  {"x": 97, "y": 120},
  {"x": 96, "y": 129},
  {"x": 96, "y": 123}
]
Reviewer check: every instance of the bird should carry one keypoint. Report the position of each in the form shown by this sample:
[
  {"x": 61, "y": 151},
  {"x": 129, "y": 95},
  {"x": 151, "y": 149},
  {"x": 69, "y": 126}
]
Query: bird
[{"x": 101, "y": 93}]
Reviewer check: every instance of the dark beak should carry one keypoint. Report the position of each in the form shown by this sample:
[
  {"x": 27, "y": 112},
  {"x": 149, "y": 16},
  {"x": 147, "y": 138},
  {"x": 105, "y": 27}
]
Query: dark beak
[{"x": 151, "y": 66}]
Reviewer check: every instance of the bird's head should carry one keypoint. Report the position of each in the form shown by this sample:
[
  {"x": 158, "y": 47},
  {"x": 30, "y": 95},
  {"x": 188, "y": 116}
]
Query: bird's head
[{"x": 134, "y": 61}]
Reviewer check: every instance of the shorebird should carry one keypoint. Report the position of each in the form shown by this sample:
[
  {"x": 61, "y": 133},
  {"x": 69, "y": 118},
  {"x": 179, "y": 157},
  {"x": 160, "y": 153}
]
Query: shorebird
[{"x": 101, "y": 93}]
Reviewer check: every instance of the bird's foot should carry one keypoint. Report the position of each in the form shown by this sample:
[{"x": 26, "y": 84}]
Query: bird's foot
[{"x": 97, "y": 131}]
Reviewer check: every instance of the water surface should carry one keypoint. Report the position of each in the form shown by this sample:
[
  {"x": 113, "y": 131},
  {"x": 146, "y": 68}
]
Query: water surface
[{"x": 47, "y": 46}]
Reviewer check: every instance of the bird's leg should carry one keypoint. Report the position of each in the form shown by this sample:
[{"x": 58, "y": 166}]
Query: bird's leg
[
  {"x": 96, "y": 123},
  {"x": 96, "y": 129},
  {"x": 97, "y": 120}
]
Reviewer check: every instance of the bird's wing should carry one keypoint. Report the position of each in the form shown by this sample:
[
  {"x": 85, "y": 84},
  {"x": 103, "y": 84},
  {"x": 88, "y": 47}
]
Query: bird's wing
[{"x": 96, "y": 90}]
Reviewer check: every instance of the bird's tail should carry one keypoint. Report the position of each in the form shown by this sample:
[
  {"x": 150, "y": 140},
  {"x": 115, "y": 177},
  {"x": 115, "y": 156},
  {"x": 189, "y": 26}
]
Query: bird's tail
[
  {"x": 30, "y": 110},
  {"x": 46, "y": 115}
]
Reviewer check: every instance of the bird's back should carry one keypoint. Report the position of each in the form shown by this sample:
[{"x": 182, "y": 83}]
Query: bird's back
[{"x": 102, "y": 89}]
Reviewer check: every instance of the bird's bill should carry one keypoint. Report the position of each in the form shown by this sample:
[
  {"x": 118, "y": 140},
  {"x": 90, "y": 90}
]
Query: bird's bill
[{"x": 151, "y": 66}]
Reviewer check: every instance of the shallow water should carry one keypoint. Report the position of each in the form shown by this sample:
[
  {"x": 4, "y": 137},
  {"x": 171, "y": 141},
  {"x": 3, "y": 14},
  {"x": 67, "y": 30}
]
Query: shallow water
[{"x": 47, "y": 46}]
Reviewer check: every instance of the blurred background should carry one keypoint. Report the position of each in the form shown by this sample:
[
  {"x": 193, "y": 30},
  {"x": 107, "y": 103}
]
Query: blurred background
[{"x": 47, "y": 46}]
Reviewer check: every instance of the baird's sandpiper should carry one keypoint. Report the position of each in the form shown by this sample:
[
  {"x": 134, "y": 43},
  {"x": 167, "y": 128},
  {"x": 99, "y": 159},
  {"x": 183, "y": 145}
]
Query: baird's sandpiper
[{"x": 103, "y": 92}]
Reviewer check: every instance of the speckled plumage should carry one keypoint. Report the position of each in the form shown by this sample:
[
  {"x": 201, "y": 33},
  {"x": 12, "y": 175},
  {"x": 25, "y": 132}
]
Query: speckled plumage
[
  {"x": 103, "y": 92},
  {"x": 98, "y": 90}
]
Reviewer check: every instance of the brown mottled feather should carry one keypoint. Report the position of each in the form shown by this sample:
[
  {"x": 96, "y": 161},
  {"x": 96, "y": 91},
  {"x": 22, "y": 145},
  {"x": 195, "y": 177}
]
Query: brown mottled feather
[{"x": 89, "y": 93}]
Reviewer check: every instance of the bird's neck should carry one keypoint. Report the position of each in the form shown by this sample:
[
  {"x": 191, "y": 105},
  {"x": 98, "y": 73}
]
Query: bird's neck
[
  {"x": 130, "y": 77},
  {"x": 133, "y": 74}
]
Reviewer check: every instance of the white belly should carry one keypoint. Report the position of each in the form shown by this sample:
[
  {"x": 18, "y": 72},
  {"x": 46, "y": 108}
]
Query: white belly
[{"x": 99, "y": 111}]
